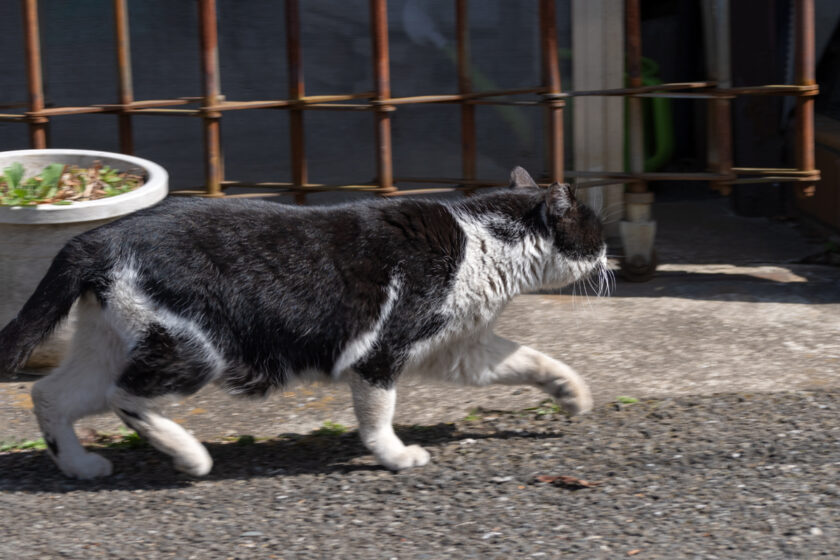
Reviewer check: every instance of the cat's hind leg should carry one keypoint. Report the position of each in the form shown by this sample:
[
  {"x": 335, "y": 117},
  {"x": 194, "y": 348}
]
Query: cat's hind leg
[
  {"x": 139, "y": 414},
  {"x": 71, "y": 392},
  {"x": 494, "y": 359},
  {"x": 374, "y": 406},
  {"x": 78, "y": 388},
  {"x": 169, "y": 360}
]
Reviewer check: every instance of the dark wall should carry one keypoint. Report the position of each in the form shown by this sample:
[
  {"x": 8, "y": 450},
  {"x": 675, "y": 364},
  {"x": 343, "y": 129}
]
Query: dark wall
[
  {"x": 762, "y": 53},
  {"x": 672, "y": 36}
]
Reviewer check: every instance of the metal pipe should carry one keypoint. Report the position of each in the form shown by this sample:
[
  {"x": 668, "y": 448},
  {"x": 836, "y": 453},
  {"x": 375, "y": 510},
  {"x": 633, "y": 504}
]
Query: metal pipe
[
  {"x": 551, "y": 80},
  {"x": 634, "y": 104},
  {"x": 210, "y": 70},
  {"x": 468, "y": 143},
  {"x": 805, "y": 76},
  {"x": 148, "y": 103},
  {"x": 126, "y": 89},
  {"x": 34, "y": 77},
  {"x": 296, "y": 91},
  {"x": 54, "y": 111},
  {"x": 303, "y": 102},
  {"x": 382, "y": 87},
  {"x": 640, "y": 89},
  {"x": 622, "y": 175},
  {"x": 721, "y": 110}
]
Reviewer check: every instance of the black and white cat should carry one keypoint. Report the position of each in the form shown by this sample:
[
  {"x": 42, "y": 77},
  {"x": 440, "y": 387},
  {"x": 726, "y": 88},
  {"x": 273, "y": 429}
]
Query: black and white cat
[{"x": 252, "y": 295}]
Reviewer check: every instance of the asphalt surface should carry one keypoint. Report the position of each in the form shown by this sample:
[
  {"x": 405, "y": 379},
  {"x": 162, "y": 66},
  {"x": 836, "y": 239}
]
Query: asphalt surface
[
  {"x": 721, "y": 476},
  {"x": 732, "y": 451}
]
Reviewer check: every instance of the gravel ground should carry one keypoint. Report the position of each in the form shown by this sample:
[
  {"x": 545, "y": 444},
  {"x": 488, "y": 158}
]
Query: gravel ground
[{"x": 720, "y": 476}]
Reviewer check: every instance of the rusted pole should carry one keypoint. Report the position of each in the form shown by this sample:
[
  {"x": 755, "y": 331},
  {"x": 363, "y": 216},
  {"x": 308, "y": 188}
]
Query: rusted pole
[
  {"x": 296, "y": 91},
  {"x": 382, "y": 89},
  {"x": 468, "y": 145},
  {"x": 34, "y": 78},
  {"x": 722, "y": 107},
  {"x": 551, "y": 79},
  {"x": 634, "y": 104},
  {"x": 638, "y": 229},
  {"x": 126, "y": 89},
  {"x": 212, "y": 119},
  {"x": 805, "y": 64},
  {"x": 718, "y": 55}
]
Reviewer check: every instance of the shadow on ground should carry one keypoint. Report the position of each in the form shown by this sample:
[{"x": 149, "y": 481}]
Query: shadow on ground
[{"x": 144, "y": 468}]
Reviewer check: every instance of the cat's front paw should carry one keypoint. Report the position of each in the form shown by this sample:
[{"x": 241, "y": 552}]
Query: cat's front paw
[
  {"x": 197, "y": 463},
  {"x": 573, "y": 396},
  {"x": 86, "y": 466},
  {"x": 411, "y": 456}
]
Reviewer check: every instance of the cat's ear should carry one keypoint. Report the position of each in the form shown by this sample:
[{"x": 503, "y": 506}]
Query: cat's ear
[
  {"x": 559, "y": 198},
  {"x": 520, "y": 178}
]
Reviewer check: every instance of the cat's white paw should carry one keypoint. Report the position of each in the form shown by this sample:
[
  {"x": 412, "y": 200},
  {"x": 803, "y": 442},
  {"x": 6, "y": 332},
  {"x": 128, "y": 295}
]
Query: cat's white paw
[
  {"x": 411, "y": 456},
  {"x": 572, "y": 395},
  {"x": 86, "y": 466},
  {"x": 197, "y": 463}
]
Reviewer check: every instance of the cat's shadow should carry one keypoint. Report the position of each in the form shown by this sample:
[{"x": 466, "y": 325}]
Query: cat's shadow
[{"x": 145, "y": 468}]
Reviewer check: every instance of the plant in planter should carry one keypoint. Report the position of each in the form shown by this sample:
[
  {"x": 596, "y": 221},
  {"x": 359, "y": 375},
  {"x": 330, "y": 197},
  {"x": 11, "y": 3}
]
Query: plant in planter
[
  {"x": 49, "y": 196},
  {"x": 59, "y": 183}
]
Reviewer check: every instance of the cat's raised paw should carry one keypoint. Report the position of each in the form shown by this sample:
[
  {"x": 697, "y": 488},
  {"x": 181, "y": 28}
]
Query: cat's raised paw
[
  {"x": 573, "y": 396},
  {"x": 411, "y": 456},
  {"x": 86, "y": 466}
]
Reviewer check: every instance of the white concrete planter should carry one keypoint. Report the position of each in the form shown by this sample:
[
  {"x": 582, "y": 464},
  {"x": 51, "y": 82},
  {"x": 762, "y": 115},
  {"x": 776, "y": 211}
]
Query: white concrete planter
[{"x": 30, "y": 236}]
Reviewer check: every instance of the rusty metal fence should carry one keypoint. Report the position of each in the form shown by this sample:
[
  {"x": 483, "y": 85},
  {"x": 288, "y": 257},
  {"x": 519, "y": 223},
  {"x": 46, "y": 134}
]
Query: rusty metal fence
[{"x": 548, "y": 96}]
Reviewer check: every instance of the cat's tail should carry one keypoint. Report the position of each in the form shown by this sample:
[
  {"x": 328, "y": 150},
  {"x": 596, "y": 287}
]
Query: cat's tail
[{"x": 51, "y": 302}]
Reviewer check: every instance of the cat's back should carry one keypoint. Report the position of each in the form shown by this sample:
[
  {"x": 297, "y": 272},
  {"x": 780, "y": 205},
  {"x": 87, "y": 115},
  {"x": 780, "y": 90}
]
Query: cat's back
[
  {"x": 175, "y": 214},
  {"x": 409, "y": 226}
]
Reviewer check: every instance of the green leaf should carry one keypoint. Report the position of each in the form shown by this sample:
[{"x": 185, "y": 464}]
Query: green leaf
[
  {"x": 51, "y": 175},
  {"x": 62, "y": 202},
  {"x": 627, "y": 400},
  {"x": 13, "y": 174}
]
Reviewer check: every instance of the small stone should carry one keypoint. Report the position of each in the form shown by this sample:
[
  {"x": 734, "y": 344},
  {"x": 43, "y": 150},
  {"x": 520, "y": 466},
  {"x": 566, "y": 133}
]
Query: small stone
[
  {"x": 501, "y": 479},
  {"x": 251, "y": 534}
]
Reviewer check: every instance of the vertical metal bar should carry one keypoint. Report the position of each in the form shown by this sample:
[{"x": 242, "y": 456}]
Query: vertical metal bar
[
  {"x": 634, "y": 104},
  {"x": 34, "y": 77},
  {"x": 551, "y": 79},
  {"x": 126, "y": 89},
  {"x": 722, "y": 108},
  {"x": 468, "y": 145},
  {"x": 722, "y": 126},
  {"x": 719, "y": 70},
  {"x": 210, "y": 70},
  {"x": 638, "y": 229},
  {"x": 382, "y": 88},
  {"x": 296, "y": 91},
  {"x": 805, "y": 75}
]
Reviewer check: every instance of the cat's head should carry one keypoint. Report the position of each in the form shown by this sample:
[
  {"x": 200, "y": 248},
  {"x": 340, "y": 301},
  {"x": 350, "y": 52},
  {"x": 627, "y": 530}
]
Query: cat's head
[{"x": 575, "y": 229}]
